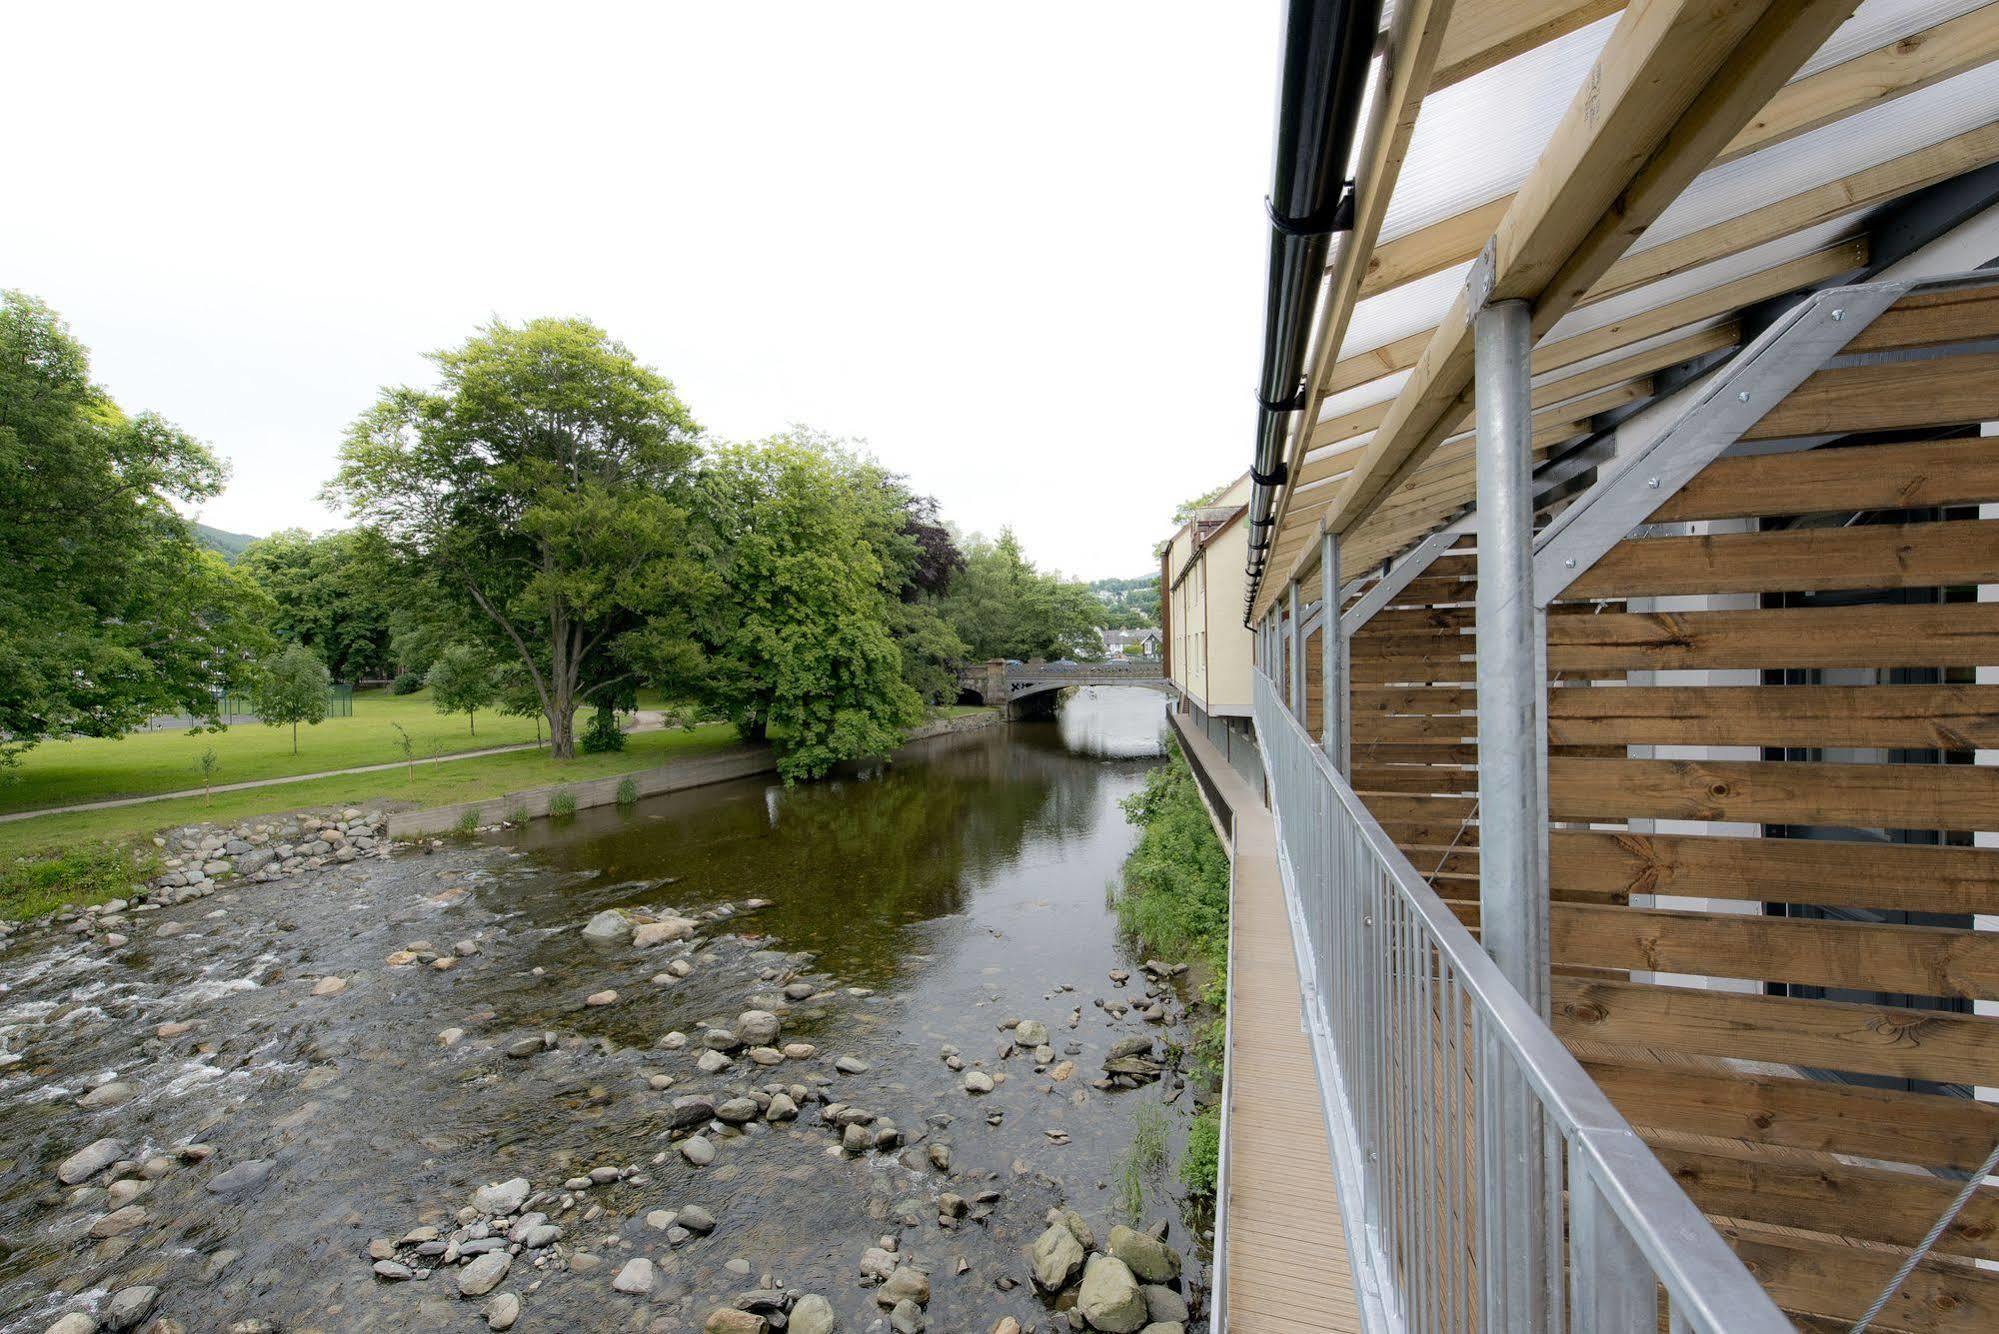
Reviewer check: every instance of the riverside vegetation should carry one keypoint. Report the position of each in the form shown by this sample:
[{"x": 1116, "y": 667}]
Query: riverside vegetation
[{"x": 1175, "y": 899}]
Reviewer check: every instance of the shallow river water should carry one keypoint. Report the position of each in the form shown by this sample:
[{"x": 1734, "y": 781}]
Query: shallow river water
[{"x": 923, "y": 902}]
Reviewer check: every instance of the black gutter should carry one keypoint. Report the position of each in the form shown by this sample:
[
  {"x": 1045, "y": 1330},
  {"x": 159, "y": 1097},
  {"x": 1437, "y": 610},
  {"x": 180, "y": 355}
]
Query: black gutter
[{"x": 1328, "y": 45}]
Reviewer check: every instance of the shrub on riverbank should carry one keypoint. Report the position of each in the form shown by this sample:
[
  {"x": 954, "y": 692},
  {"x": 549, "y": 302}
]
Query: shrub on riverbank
[
  {"x": 1176, "y": 881},
  {"x": 1175, "y": 900}
]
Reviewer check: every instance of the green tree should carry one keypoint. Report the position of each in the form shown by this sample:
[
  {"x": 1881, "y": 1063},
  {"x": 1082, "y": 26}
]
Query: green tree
[
  {"x": 1002, "y": 607},
  {"x": 462, "y": 681},
  {"x": 110, "y": 610},
  {"x": 291, "y": 688},
  {"x": 333, "y": 593},
  {"x": 542, "y": 487},
  {"x": 803, "y": 650}
]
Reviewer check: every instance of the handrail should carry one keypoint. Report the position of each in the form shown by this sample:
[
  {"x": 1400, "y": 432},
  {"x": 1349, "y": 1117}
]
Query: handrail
[{"x": 1387, "y": 958}]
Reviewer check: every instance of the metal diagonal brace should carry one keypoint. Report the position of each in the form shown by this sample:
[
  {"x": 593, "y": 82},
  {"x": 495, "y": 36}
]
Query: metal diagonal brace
[{"x": 1671, "y": 441}]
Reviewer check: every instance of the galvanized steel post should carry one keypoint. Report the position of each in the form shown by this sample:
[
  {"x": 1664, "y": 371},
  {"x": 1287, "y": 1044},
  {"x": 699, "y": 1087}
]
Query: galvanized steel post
[
  {"x": 1332, "y": 655},
  {"x": 1297, "y": 610},
  {"x": 1515, "y": 1260}
]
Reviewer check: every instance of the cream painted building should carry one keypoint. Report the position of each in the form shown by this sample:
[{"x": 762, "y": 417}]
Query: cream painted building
[{"x": 1208, "y": 648}]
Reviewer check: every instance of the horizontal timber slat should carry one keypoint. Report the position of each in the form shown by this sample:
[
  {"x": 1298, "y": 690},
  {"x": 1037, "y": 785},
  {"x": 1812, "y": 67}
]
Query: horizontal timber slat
[
  {"x": 1894, "y": 796},
  {"x": 1876, "y": 1205},
  {"x": 1906, "y": 877},
  {"x": 1840, "y": 1281},
  {"x": 1916, "y": 555},
  {"x": 1920, "y": 960},
  {"x": 1944, "y": 717},
  {"x": 1822, "y": 481},
  {"x": 1888, "y": 396},
  {"x": 1835, "y": 1035},
  {"x": 1913, "y": 636}
]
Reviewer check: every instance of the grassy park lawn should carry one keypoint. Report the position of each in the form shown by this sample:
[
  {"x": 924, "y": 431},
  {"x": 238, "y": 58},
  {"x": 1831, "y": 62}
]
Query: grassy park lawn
[
  {"x": 429, "y": 785},
  {"x": 57, "y": 773}
]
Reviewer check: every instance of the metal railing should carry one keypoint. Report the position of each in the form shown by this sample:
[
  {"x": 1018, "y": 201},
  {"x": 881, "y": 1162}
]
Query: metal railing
[{"x": 1445, "y": 1094}]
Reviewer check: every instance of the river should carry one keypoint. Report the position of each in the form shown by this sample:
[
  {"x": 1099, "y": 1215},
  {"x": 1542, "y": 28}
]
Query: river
[{"x": 913, "y": 907}]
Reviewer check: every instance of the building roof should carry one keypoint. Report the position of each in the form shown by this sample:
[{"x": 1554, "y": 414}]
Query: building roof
[{"x": 1646, "y": 177}]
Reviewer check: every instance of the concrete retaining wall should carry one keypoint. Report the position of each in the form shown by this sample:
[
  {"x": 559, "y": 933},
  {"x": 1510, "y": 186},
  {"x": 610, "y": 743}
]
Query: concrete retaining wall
[{"x": 743, "y": 761}]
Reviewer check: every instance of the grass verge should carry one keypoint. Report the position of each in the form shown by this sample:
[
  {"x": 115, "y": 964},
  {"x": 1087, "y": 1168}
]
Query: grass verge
[
  {"x": 479, "y": 779},
  {"x": 84, "y": 874}
]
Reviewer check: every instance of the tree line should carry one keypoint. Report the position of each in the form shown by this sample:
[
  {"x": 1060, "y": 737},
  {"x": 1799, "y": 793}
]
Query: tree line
[{"x": 546, "y": 529}]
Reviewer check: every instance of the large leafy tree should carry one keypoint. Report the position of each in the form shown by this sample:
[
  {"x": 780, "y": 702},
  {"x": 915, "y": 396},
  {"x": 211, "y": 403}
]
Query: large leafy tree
[
  {"x": 334, "y": 594},
  {"x": 803, "y": 647},
  {"x": 542, "y": 487},
  {"x": 1002, "y": 607},
  {"x": 110, "y": 611}
]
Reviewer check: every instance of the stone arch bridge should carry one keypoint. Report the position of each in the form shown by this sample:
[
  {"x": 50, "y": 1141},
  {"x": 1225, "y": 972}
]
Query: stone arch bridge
[{"x": 1003, "y": 683}]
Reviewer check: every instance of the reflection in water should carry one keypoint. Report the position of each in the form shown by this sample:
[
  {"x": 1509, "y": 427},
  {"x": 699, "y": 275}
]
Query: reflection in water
[{"x": 960, "y": 884}]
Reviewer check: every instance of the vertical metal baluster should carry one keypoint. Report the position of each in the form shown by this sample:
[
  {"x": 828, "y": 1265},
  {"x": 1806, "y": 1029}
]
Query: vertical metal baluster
[{"x": 1615, "y": 1292}]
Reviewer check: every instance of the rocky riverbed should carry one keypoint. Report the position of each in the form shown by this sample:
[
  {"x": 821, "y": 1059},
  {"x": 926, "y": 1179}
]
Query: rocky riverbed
[{"x": 859, "y": 1056}]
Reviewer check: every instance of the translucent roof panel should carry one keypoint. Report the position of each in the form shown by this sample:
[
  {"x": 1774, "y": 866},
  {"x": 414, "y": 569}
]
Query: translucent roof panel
[
  {"x": 1478, "y": 139},
  {"x": 1725, "y": 270},
  {"x": 1362, "y": 395},
  {"x": 1877, "y": 23},
  {"x": 1887, "y": 130},
  {"x": 1401, "y": 311}
]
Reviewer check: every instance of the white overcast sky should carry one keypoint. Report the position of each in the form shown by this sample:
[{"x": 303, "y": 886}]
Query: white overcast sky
[{"x": 1018, "y": 248}]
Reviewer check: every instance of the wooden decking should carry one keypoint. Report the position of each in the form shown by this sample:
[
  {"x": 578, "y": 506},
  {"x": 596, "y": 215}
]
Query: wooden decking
[{"x": 1287, "y": 1253}]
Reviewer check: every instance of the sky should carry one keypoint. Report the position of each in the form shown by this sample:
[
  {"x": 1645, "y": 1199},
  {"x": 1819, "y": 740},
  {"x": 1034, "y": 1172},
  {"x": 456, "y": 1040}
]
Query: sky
[{"x": 1018, "y": 249}]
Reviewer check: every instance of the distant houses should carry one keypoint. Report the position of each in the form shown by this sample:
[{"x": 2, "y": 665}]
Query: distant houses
[{"x": 1140, "y": 643}]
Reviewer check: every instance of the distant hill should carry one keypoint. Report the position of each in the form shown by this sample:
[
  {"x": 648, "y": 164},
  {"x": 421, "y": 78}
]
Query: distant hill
[{"x": 230, "y": 545}]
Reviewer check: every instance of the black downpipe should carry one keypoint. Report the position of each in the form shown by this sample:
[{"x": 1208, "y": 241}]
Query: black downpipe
[{"x": 1328, "y": 45}]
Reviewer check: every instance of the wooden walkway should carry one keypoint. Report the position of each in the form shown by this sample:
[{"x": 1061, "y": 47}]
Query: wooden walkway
[{"x": 1287, "y": 1252}]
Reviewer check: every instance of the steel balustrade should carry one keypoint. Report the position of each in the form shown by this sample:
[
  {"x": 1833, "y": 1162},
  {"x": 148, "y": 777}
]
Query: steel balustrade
[{"x": 1427, "y": 1058}]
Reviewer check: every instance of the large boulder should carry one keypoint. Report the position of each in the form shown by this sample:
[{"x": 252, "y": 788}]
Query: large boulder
[
  {"x": 1146, "y": 1256},
  {"x": 484, "y": 1273},
  {"x": 1057, "y": 1255},
  {"x": 88, "y": 1161},
  {"x": 501, "y": 1197},
  {"x": 1109, "y": 1298},
  {"x": 756, "y": 1027}
]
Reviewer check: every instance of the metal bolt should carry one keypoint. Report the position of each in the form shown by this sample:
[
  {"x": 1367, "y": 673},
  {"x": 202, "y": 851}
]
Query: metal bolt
[
  {"x": 1570, "y": 562},
  {"x": 1838, "y": 315},
  {"x": 1744, "y": 396},
  {"x": 1652, "y": 482}
]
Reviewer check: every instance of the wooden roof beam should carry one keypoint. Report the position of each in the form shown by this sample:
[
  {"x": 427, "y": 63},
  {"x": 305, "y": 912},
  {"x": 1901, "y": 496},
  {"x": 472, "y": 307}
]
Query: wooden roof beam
[
  {"x": 1674, "y": 85},
  {"x": 1875, "y": 185},
  {"x": 1888, "y": 72}
]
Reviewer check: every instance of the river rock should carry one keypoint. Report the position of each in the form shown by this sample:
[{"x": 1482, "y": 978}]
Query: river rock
[
  {"x": 737, "y": 1111},
  {"x": 697, "y": 1150},
  {"x": 484, "y": 1273},
  {"x": 1163, "y": 1306},
  {"x": 76, "y": 1322},
  {"x": 501, "y": 1197},
  {"x": 600, "y": 998},
  {"x": 503, "y": 1311},
  {"x": 856, "y": 1139},
  {"x": 728, "y": 1320},
  {"x": 696, "y": 1219},
  {"x": 1057, "y": 1255},
  {"x": 691, "y": 1110},
  {"x": 906, "y": 1318},
  {"x": 119, "y": 1221},
  {"x": 712, "y": 1062},
  {"x": 1109, "y": 1298},
  {"x": 757, "y": 1027},
  {"x": 636, "y": 1277},
  {"x": 851, "y": 1065},
  {"x": 329, "y": 986},
  {"x": 108, "y": 1094},
  {"x": 1145, "y": 1255},
  {"x": 88, "y": 1161},
  {"x": 247, "y": 1175},
  {"x": 129, "y": 1306},
  {"x": 907, "y": 1284},
  {"x": 663, "y": 932},
  {"x": 812, "y": 1315},
  {"x": 781, "y": 1108},
  {"x": 609, "y": 926},
  {"x": 1031, "y": 1033},
  {"x": 978, "y": 1081}
]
